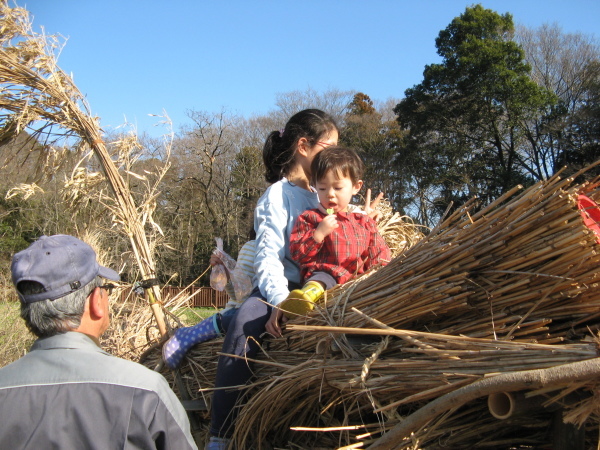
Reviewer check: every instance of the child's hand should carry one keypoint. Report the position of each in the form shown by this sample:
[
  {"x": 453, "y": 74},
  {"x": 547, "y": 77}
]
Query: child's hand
[
  {"x": 215, "y": 260},
  {"x": 327, "y": 225},
  {"x": 371, "y": 205}
]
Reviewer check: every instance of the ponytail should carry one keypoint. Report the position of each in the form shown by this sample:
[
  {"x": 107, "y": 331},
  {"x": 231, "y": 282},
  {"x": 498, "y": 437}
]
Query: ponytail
[
  {"x": 279, "y": 151},
  {"x": 275, "y": 157}
]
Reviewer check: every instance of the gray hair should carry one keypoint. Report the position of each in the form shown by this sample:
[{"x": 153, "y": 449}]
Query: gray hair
[{"x": 49, "y": 317}]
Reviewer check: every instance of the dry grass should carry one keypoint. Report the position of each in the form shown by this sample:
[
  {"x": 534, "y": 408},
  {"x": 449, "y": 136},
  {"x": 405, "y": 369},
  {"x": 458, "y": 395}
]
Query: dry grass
[
  {"x": 15, "y": 338},
  {"x": 399, "y": 232}
]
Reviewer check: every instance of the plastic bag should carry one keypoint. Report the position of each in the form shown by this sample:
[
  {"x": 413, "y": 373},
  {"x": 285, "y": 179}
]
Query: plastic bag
[
  {"x": 218, "y": 277},
  {"x": 241, "y": 283},
  {"x": 221, "y": 272}
]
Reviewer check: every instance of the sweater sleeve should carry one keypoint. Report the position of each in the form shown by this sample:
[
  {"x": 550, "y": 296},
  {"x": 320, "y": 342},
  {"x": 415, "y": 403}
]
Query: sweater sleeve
[
  {"x": 245, "y": 259},
  {"x": 270, "y": 221}
]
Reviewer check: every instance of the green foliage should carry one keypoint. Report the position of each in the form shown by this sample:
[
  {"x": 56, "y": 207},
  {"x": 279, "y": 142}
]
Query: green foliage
[
  {"x": 12, "y": 237},
  {"x": 10, "y": 242},
  {"x": 377, "y": 141},
  {"x": 466, "y": 119}
]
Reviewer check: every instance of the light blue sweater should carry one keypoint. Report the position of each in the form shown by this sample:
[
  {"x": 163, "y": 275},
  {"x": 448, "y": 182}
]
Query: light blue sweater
[{"x": 274, "y": 219}]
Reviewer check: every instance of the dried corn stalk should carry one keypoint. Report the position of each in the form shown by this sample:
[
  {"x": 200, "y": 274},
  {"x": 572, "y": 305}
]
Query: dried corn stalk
[
  {"x": 37, "y": 95},
  {"x": 399, "y": 232}
]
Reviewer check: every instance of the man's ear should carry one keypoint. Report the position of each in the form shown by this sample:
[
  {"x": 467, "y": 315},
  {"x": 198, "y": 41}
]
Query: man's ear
[
  {"x": 357, "y": 187},
  {"x": 96, "y": 305}
]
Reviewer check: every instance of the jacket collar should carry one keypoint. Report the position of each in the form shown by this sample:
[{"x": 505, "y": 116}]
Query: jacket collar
[{"x": 70, "y": 339}]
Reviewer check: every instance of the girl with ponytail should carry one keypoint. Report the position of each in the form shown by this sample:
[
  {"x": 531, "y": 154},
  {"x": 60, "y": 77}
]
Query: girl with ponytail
[{"x": 287, "y": 155}]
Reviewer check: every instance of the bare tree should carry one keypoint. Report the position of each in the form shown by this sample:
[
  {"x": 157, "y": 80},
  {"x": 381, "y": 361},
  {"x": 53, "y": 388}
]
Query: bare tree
[
  {"x": 559, "y": 61},
  {"x": 566, "y": 65},
  {"x": 332, "y": 101}
]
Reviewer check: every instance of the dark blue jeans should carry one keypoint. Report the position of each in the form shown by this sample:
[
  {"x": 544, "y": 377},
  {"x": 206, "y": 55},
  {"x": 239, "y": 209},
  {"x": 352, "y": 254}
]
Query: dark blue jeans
[{"x": 243, "y": 330}]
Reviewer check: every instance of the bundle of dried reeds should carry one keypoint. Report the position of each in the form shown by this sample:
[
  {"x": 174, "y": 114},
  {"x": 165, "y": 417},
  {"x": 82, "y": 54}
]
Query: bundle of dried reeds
[
  {"x": 517, "y": 269},
  {"x": 330, "y": 400},
  {"x": 510, "y": 289},
  {"x": 376, "y": 386},
  {"x": 399, "y": 232}
]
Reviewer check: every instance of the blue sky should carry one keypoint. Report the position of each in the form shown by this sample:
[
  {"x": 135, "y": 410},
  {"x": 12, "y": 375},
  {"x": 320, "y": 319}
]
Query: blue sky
[{"x": 132, "y": 58}]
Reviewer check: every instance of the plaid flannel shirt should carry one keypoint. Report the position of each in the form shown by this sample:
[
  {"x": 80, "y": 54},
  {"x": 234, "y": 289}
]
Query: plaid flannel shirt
[{"x": 351, "y": 249}]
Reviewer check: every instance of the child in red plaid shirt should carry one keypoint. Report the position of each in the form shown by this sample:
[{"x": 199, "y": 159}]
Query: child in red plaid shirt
[{"x": 332, "y": 244}]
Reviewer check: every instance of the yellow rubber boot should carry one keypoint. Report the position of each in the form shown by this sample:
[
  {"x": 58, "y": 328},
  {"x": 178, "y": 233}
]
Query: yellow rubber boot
[{"x": 302, "y": 301}]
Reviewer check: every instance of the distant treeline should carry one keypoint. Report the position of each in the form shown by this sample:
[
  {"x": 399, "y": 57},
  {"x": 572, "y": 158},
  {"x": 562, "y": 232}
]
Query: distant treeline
[{"x": 504, "y": 107}]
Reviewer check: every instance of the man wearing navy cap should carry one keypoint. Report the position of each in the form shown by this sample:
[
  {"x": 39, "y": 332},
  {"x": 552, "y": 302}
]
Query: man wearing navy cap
[{"x": 67, "y": 392}]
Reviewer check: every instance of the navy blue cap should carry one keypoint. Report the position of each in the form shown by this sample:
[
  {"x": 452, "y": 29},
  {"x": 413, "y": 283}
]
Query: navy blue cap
[{"x": 61, "y": 264}]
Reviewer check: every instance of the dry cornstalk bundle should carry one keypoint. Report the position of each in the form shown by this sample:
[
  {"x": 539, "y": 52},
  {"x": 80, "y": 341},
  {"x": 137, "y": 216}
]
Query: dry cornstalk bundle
[
  {"x": 36, "y": 95},
  {"x": 399, "y": 232},
  {"x": 133, "y": 334},
  {"x": 131, "y": 327}
]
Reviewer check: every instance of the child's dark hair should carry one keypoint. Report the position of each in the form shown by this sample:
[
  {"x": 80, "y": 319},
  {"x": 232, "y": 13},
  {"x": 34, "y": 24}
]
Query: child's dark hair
[
  {"x": 343, "y": 161},
  {"x": 280, "y": 147}
]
